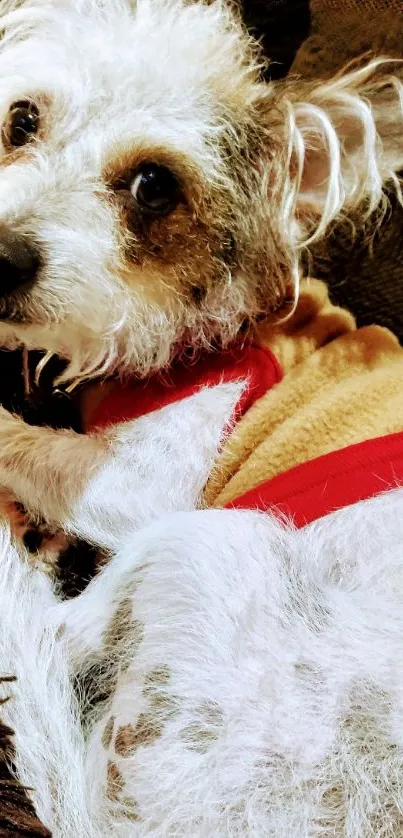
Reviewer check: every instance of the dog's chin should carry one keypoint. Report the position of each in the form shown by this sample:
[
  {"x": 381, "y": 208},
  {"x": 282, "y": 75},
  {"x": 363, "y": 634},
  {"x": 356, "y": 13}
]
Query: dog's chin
[{"x": 17, "y": 329}]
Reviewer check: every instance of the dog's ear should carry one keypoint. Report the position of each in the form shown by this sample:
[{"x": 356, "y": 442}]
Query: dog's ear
[{"x": 342, "y": 144}]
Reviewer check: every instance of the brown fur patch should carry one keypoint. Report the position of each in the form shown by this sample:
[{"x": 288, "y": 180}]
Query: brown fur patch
[
  {"x": 130, "y": 737},
  {"x": 16, "y": 515},
  {"x": 156, "y": 677},
  {"x": 42, "y": 457},
  {"x": 123, "y": 627},
  {"x": 107, "y": 734},
  {"x": 200, "y": 734},
  {"x": 364, "y": 739},
  {"x": 164, "y": 705},
  {"x": 114, "y": 783},
  {"x": 389, "y": 820},
  {"x": 121, "y": 638},
  {"x": 130, "y": 808}
]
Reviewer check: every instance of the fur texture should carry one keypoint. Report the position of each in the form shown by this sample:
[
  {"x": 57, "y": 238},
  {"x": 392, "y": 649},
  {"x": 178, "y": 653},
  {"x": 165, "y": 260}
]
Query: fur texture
[
  {"x": 49, "y": 747},
  {"x": 261, "y": 169},
  {"x": 235, "y": 677},
  {"x": 258, "y": 172},
  {"x": 231, "y": 676}
]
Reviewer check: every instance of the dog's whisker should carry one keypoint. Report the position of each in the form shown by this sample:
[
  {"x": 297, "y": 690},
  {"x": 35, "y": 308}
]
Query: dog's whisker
[{"x": 41, "y": 366}]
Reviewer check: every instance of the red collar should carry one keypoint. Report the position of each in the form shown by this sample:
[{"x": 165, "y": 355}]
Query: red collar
[{"x": 251, "y": 362}]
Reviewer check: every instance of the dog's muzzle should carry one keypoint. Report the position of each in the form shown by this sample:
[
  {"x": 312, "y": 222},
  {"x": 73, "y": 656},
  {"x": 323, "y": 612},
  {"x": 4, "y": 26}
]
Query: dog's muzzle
[{"x": 19, "y": 261}]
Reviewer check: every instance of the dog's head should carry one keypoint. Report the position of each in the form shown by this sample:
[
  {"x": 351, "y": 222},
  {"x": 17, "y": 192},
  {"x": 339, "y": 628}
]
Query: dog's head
[{"x": 154, "y": 192}]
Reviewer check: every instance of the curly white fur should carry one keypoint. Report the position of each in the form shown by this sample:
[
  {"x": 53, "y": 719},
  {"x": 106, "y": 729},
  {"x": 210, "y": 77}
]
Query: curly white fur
[
  {"x": 232, "y": 676},
  {"x": 264, "y": 170}
]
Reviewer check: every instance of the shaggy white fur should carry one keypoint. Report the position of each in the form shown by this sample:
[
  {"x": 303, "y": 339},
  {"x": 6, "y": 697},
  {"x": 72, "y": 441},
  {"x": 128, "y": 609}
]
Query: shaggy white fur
[
  {"x": 42, "y": 710},
  {"x": 261, "y": 171},
  {"x": 231, "y": 676},
  {"x": 234, "y": 677}
]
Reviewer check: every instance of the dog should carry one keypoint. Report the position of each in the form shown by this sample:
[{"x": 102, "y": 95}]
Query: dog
[
  {"x": 224, "y": 674},
  {"x": 137, "y": 222},
  {"x": 157, "y": 198}
]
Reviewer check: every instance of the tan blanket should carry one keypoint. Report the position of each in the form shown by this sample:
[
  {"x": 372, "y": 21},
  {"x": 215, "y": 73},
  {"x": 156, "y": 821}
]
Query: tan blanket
[{"x": 341, "y": 385}]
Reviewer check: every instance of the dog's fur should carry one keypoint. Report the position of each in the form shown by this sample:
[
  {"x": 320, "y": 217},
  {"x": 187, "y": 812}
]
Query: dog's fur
[
  {"x": 233, "y": 677},
  {"x": 263, "y": 170}
]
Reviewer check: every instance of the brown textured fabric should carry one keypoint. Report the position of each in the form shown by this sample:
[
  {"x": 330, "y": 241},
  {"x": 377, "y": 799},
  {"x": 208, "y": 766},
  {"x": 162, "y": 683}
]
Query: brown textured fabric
[
  {"x": 341, "y": 386},
  {"x": 369, "y": 284},
  {"x": 363, "y": 5},
  {"x": 342, "y": 30}
]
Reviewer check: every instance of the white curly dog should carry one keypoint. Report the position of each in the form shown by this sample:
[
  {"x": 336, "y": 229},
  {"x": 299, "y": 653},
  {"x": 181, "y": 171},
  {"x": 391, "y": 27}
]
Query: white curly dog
[{"x": 223, "y": 674}]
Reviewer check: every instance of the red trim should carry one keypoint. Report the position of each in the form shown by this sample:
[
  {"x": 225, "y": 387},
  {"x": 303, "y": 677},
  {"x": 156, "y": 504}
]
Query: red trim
[
  {"x": 250, "y": 362},
  {"x": 316, "y": 488},
  {"x": 308, "y": 491}
]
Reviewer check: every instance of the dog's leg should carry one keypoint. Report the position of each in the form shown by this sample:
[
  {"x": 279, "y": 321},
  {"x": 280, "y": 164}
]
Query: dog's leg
[
  {"x": 47, "y": 469},
  {"x": 100, "y": 487},
  {"x": 70, "y": 481}
]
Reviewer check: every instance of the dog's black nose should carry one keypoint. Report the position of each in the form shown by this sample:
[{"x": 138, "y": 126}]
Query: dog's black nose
[{"x": 19, "y": 261}]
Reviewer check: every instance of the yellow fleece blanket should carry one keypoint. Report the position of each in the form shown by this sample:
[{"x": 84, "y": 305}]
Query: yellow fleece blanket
[{"x": 341, "y": 385}]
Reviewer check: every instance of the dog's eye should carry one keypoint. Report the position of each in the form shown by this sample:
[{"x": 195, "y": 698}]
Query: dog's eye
[
  {"x": 22, "y": 123},
  {"x": 155, "y": 188}
]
